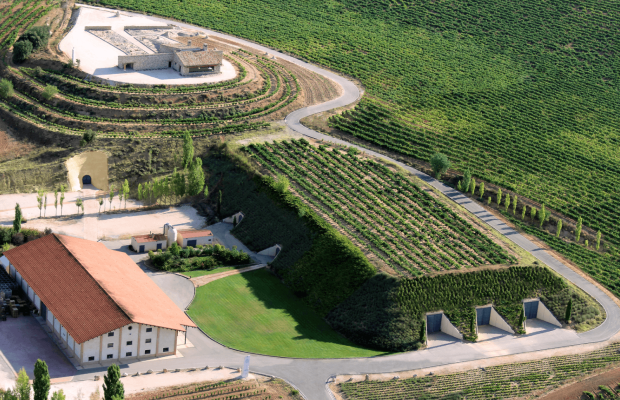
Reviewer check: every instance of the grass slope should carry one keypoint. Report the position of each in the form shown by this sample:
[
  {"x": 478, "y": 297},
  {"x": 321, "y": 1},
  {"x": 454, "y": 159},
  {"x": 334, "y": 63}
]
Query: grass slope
[{"x": 254, "y": 312}]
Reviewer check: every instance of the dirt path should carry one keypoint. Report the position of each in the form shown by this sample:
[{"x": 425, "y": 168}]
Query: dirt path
[{"x": 203, "y": 280}]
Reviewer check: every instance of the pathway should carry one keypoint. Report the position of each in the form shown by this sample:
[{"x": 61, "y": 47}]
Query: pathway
[
  {"x": 310, "y": 375},
  {"x": 203, "y": 280}
]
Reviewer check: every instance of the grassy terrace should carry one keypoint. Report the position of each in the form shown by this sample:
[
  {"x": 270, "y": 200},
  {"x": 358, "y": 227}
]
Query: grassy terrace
[{"x": 253, "y": 312}]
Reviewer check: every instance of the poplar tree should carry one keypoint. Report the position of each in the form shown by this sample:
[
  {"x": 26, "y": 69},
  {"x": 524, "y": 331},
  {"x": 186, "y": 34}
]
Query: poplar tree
[
  {"x": 62, "y": 197},
  {"x": 22, "y": 385},
  {"x": 196, "y": 178},
  {"x": 533, "y": 214},
  {"x": 523, "y": 212},
  {"x": 188, "y": 151},
  {"x": 507, "y": 203},
  {"x": 578, "y": 229},
  {"x": 481, "y": 190},
  {"x": 598, "y": 240},
  {"x": 45, "y": 205},
  {"x": 499, "y": 196},
  {"x": 112, "y": 386},
  {"x": 56, "y": 200},
  {"x": 558, "y": 230},
  {"x": 514, "y": 204},
  {"x": 78, "y": 203},
  {"x": 17, "y": 222},
  {"x": 586, "y": 242},
  {"x": 542, "y": 215},
  {"x": 466, "y": 180},
  {"x": 111, "y": 196},
  {"x": 473, "y": 186},
  {"x": 126, "y": 191},
  {"x": 489, "y": 201},
  {"x": 41, "y": 383},
  {"x": 40, "y": 201}
]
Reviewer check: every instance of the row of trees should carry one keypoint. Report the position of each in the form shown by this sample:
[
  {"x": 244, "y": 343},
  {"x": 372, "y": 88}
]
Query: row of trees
[
  {"x": 468, "y": 185},
  {"x": 113, "y": 389}
]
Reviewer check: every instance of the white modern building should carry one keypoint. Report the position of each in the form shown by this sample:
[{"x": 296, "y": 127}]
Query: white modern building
[{"x": 97, "y": 301}]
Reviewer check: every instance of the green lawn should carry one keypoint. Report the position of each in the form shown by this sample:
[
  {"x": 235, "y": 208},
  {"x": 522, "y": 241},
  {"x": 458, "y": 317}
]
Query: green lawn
[
  {"x": 199, "y": 272},
  {"x": 254, "y": 312}
]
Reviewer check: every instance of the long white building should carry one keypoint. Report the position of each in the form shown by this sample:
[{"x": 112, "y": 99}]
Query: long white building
[{"x": 97, "y": 301}]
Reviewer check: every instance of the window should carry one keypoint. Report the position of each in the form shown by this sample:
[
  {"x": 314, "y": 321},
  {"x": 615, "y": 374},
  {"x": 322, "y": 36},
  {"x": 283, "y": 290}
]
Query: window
[
  {"x": 110, "y": 355},
  {"x": 148, "y": 341},
  {"x": 92, "y": 358},
  {"x": 110, "y": 334},
  {"x": 129, "y": 343},
  {"x": 166, "y": 349},
  {"x": 128, "y": 354},
  {"x": 147, "y": 351},
  {"x": 149, "y": 329},
  {"x": 110, "y": 345}
]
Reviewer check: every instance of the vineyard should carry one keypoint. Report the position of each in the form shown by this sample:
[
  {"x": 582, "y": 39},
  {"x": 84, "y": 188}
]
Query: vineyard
[
  {"x": 520, "y": 380},
  {"x": 382, "y": 211},
  {"x": 525, "y": 94}
]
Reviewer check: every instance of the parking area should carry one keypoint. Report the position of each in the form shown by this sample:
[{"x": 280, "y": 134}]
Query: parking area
[{"x": 22, "y": 342}]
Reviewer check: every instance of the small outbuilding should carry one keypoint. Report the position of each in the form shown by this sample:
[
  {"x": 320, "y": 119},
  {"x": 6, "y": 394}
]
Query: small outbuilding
[
  {"x": 194, "y": 238},
  {"x": 150, "y": 242}
]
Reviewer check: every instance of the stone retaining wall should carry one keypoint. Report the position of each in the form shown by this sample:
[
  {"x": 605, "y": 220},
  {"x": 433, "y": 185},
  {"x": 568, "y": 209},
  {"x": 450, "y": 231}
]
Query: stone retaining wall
[{"x": 146, "y": 61}]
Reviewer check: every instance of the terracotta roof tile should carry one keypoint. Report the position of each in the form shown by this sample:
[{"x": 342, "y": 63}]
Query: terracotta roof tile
[
  {"x": 193, "y": 234},
  {"x": 149, "y": 238},
  {"x": 92, "y": 290}
]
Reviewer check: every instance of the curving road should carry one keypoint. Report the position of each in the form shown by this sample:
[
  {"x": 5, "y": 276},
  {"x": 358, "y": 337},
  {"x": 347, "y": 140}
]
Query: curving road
[{"x": 309, "y": 376}]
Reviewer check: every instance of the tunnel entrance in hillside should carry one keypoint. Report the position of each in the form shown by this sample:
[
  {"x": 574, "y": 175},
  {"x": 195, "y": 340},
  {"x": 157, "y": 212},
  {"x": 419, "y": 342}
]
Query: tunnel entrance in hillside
[
  {"x": 88, "y": 168},
  {"x": 86, "y": 180}
]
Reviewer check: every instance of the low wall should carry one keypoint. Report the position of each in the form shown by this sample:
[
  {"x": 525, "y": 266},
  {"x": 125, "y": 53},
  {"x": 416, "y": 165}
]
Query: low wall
[
  {"x": 544, "y": 314},
  {"x": 97, "y": 28},
  {"x": 449, "y": 329},
  {"x": 136, "y": 27},
  {"x": 498, "y": 322},
  {"x": 146, "y": 61}
]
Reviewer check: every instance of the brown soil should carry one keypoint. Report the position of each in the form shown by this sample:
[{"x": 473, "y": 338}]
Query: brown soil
[
  {"x": 574, "y": 391},
  {"x": 268, "y": 388},
  {"x": 11, "y": 148}
]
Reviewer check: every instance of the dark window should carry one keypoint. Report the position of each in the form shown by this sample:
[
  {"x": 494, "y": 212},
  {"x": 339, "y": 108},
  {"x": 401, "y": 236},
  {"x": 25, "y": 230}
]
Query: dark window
[
  {"x": 110, "y": 344},
  {"x": 128, "y": 354},
  {"x": 149, "y": 329},
  {"x": 148, "y": 341},
  {"x": 110, "y": 334},
  {"x": 147, "y": 351},
  {"x": 110, "y": 355},
  {"x": 129, "y": 343},
  {"x": 166, "y": 349},
  {"x": 130, "y": 327},
  {"x": 92, "y": 358}
]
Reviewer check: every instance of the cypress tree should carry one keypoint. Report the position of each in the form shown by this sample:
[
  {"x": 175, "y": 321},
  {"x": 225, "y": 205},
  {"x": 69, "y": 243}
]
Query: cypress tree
[
  {"x": 473, "y": 186},
  {"x": 499, "y": 197},
  {"x": 481, "y": 190},
  {"x": 578, "y": 229},
  {"x": 559, "y": 228},
  {"x": 598, "y": 240},
  {"x": 41, "y": 383},
  {"x": 188, "y": 152},
  {"x": 514, "y": 204},
  {"x": 521, "y": 317},
  {"x": 586, "y": 243},
  {"x": 17, "y": 222},
  {"x": 466, "y": 180},
  {"x": 423, "y": 332},
  {"x": 472, "y": 324},
  {"x": 569, "y": 311},
  {"x": 112, "y": 385}
]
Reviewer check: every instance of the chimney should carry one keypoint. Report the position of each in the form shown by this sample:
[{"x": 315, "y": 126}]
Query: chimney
[
  {"x": 205, "y": 46},
  {"x": 189, "y": 43}
]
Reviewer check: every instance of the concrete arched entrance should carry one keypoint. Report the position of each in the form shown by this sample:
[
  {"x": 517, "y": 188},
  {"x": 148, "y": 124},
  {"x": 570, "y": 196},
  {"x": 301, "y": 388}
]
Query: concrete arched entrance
[{"x": 88, "y": 168}]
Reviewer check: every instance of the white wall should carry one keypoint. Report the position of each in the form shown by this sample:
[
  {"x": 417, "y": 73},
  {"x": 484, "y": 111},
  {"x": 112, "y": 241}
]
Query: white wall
[
  {"x": 144, "y": 336},
  {"x": 230, "y": 219},
  {"x": 50, "y": 317},
  {"x": 56, "y": 326},
  {"x": 448, "y": 328},
  {"x": 77, "y": 349},
  {"x": 30, "y": 293},
  {"x": 91, "y": 349},
  {"x": 110, "y": 340},
  {"x": 70, "y": 342},
  {"x": 37, "y": 302},
  {"x": 148, "y": 245},
  {"x": 167, "y": 338},
  {"x": 498, "y": 322},
  {"x": 270, "y": 251},
  {"x": 545, "y": 315},
  {"x": 63, "y": 333},
  {"x": 130, "y": 334},
  {"x": 204, "y": 240}
]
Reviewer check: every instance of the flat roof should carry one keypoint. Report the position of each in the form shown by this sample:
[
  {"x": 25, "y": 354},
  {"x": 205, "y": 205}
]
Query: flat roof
[{"x": 194, "y": 234}]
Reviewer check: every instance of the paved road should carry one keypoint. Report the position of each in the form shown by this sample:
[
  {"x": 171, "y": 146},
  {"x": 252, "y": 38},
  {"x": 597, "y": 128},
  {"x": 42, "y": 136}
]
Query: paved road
[{"x": 310, "y": 375}]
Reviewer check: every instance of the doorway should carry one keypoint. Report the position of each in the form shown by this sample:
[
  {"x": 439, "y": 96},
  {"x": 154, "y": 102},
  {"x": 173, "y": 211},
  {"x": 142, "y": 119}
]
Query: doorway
[{"x": 86, "y": 180}]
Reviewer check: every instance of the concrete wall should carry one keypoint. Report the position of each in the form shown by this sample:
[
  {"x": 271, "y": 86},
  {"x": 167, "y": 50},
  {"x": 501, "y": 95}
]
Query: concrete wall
[
  {"x": 167, "y": 339},
  {"x": 271, "y": 251},
  {"x": 498, "y": 322},
  {"x": 545, "y": 315},
  {"x": 448, "y": 328},
  {"x": 204, "y": 240},
  {"x": 137, "y": 27},
  {"x": 148, "y": 340},
  {"x": 129, "y": 342},
  {"x": 146, "y": 61},
  {"x": 113, "y": 341},
  {"x": 93, "y": 163},
  {"x": 185, "y": 71},
  {"x": 91, "y": 349},
  {"x": 97, "y": 28},
  {"x": 230, "y": 219}
]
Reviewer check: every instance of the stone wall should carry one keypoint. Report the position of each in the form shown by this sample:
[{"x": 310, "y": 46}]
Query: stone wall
[
  {"x": 132, "y": 27},
  {"x": 97, "y": 28},
  {"x": 146, "y": 61}
]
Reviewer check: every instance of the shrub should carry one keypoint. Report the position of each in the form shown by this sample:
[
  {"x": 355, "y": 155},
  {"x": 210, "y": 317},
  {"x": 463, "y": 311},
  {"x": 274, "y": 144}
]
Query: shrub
[
  {"x": 6, "y": 89},
  {"x": 21, "y": 51},
  {"x": 281, "y": 183},
  {"x": 17, "y": 239},
  {"x": 440, "y": 164},
  {"x": 37, "y": 36},
  {"x": 49, "y": 92}
]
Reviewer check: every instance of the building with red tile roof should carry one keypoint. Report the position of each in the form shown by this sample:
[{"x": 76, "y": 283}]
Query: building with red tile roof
[{"x": 96, "y": 300}]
